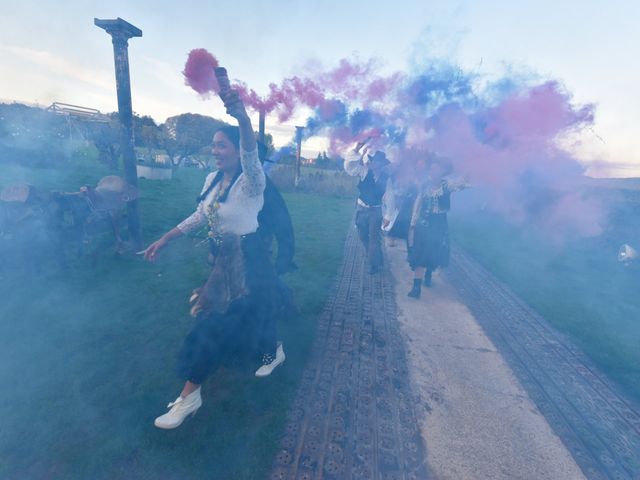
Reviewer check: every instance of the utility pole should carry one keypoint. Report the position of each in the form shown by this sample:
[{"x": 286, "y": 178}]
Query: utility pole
[
  {"x": 121, "y": 31},
  {"x": 298, "y": 155},
  {"x": 261, "y": 115}
]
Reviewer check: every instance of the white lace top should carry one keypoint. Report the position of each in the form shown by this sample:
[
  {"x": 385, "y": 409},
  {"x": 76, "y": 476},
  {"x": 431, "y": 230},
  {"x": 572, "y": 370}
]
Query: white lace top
[{"x": 239, "y": 213}]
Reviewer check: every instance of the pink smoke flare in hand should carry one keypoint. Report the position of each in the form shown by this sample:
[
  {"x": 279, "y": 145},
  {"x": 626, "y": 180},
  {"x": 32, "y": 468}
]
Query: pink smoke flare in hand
[{"x": 199, "y": 71}]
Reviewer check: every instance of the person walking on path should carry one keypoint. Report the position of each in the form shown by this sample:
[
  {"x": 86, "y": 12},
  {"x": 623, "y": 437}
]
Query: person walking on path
[
  {"x": 236, "y": 300},
  {"x": 374, "y": 184},
  {"x": 428, "y": 239}
]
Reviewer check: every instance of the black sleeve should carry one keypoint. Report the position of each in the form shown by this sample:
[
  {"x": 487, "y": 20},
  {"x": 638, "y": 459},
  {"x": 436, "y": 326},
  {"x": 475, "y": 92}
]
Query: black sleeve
[{"x": 276, "y": 220}]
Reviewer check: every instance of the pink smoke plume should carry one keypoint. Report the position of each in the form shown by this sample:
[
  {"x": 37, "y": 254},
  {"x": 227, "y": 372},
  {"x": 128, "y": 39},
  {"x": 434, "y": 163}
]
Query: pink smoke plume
[
  {"x": 515, "y": 157},
  {"x": 507, "y": 147},
  {"x": 198, "y": 71},
  {"x": 344, "y": 81}
]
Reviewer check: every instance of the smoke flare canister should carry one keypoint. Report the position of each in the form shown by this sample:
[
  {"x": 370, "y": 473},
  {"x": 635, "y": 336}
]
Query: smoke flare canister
[{"x": 223, "y": 78}]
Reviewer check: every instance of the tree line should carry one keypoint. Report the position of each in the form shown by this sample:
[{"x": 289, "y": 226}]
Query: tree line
[{"x": 37, "y": 137}]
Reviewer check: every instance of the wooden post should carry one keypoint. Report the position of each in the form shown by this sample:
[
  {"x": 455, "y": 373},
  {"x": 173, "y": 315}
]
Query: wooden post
[{"x": 121, "y": 31}]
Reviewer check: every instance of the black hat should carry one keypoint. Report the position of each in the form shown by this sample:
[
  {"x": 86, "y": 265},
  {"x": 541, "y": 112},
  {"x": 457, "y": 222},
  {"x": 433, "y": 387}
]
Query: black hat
[{"x": 379, "y": 156}]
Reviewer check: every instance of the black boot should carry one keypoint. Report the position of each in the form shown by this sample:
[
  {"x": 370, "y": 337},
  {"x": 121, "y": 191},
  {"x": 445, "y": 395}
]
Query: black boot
[
  {"x": 427, "y": 278},
  {"x": 415, "y": 291}
]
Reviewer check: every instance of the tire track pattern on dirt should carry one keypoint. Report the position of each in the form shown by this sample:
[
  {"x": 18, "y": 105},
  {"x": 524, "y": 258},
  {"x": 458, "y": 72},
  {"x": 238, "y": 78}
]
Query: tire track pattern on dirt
[{"x": 353, "y": 416}]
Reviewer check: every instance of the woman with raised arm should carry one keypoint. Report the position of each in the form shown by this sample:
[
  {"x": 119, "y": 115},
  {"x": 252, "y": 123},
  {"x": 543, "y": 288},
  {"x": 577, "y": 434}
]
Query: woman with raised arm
[{"x": 237, "y": 297}]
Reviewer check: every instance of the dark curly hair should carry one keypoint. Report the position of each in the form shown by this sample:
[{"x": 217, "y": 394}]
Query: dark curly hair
[{"x": 232, "y": 133}]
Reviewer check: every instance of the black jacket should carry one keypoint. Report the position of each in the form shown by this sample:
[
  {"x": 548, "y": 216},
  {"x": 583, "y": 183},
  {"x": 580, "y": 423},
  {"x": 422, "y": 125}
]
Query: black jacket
[{"x": 274, "y": 221}]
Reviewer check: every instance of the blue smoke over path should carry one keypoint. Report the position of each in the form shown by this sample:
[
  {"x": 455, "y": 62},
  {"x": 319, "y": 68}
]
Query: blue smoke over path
[{"x": 504, "y": 136}]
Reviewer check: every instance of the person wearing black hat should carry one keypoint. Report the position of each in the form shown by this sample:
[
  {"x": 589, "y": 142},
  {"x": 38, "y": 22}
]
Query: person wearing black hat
[
  {"x": 428, "y": 239},
  {"x": 374, "y": 187}
]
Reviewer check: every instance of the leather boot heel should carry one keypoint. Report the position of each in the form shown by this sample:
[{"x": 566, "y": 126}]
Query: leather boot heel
[{"x": 416, "y": 290}]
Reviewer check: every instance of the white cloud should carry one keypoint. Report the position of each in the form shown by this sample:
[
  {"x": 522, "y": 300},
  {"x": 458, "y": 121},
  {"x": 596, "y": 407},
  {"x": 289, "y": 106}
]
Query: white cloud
[
  {"x": 165, "y": 72},
  {"x": 61, "y": 66}
]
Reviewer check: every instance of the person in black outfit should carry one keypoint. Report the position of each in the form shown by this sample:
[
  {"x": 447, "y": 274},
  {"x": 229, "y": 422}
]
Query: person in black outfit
[
  {"x": 428, "y": 240},
  {"x": 274, "y": 222},
  {"x": 374, "y": 184}
]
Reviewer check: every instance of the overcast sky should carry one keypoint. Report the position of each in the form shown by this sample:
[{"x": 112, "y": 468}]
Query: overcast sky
[{"x": 51, "y": 51}]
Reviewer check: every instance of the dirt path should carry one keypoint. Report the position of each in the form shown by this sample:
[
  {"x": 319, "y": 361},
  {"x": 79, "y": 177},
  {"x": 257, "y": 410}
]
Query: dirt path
[
  {"x": 477, "y": 420},
  {"x": 596, "y": 422},
  {"x": 466, "y": 383}
]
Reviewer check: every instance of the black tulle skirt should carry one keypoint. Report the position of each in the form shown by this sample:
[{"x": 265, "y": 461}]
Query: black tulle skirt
[
  {"x": 245, "y": 332},
  {"x": 431, "y": 242}
]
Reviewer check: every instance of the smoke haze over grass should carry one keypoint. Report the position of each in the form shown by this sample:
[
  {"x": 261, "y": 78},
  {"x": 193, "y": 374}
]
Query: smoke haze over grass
[{"x": 90, "y": 351}]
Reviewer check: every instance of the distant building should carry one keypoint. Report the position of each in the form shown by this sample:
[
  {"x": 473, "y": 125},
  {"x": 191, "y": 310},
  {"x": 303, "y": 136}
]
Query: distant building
[{"x": 163, "y": 159}]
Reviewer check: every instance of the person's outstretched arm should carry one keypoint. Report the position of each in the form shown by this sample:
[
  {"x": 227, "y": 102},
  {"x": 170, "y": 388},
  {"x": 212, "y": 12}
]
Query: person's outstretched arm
[{"x": 190, "y": 223}]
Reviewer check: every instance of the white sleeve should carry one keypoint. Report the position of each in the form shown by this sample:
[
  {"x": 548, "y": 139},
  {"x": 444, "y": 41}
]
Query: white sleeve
[
  {"x": 198, "y": 217},
  {"x": 457, "y": 185},
  {"x": 353, "y": 164},
  {"x": 389, "y": 211},
  {"x": 253, "y": 179}
]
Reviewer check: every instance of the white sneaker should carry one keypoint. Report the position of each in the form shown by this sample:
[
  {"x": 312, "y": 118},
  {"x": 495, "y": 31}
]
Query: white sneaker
[
  {"x": 266, "y": 369},
  {"x": 180, "y": 409}
]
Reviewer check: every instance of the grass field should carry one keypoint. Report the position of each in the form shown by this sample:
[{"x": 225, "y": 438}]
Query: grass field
[
  {"x": 87, "y": 356},
  {"x": 579, "y": 286}
]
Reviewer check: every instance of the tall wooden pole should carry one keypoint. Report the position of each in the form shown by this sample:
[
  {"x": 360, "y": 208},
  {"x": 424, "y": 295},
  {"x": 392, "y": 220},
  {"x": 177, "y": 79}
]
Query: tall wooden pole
[
  {"x": 261, "y": 115},
  {"x": 121, "y": 31}
]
